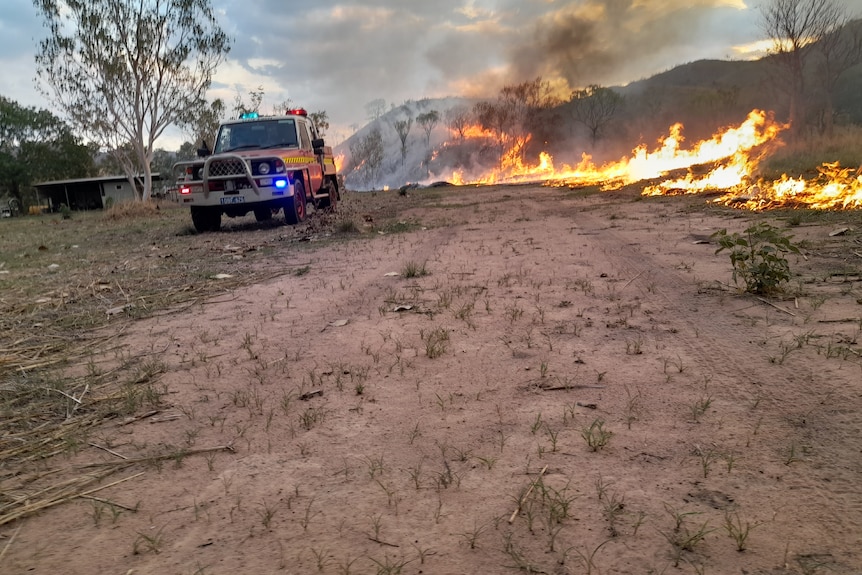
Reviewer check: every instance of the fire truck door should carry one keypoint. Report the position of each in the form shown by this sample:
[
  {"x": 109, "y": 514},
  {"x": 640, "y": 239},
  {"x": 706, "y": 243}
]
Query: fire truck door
[{"x": 315, "y": 170}]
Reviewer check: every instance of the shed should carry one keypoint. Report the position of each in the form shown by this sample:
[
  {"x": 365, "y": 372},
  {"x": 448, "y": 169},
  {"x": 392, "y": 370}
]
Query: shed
[{"x": 87, "y": 193}]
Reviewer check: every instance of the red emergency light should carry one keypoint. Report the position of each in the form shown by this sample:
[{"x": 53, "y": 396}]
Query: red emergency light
[{"x": 297, "y": 112}]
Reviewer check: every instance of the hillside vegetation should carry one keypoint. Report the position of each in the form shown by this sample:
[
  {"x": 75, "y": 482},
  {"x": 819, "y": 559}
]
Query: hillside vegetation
[{"x": 704, "y": 96}]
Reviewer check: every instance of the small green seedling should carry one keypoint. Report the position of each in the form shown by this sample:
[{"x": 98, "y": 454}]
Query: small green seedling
[{"x": 596, "y": 435}]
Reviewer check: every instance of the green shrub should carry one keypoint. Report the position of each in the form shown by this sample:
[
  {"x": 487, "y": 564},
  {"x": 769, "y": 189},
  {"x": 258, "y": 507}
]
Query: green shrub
[{"x": 757, "y": 256}]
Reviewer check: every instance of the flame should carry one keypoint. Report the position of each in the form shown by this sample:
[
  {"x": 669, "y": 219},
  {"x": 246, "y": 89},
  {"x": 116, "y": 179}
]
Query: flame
[
  {"x": 834, "y": 188},
  {"x": 733, "y": 155}
]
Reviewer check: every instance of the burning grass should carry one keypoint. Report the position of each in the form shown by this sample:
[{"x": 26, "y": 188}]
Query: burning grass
[{"x": 729, "y": 162}]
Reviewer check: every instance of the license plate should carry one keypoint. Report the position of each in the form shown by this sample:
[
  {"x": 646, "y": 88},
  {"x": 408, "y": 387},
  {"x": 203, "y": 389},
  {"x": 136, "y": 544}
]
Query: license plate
[
  {"x": 266, "y": 182},
  {"x": 233, "y": 200}
]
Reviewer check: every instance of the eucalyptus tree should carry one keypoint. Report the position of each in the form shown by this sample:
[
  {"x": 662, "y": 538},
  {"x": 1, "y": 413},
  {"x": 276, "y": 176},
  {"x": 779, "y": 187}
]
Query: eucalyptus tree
[{"x": 122, "y": 71}]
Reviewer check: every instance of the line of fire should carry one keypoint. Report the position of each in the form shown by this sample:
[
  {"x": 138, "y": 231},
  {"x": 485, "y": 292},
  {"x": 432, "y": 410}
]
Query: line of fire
[{"x": 724, "y": 166}]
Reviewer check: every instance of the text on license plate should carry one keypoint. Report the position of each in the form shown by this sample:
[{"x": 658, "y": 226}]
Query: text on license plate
[{"x": 233, "y": 200}]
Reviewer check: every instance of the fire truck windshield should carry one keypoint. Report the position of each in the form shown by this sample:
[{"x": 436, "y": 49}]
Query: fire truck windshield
[{"x": 257, "y": 134}]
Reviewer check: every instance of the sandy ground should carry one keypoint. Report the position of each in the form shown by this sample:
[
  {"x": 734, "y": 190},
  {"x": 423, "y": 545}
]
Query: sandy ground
[{"x": 384, "y": 424}]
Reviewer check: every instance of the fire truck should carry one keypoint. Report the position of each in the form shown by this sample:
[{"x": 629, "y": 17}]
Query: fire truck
[{"x": 259, "y": 164}]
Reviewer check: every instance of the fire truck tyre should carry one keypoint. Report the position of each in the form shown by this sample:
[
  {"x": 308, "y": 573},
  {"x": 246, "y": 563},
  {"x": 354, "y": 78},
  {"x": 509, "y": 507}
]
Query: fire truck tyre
[
  {"x": 262, "y": 214},
  {"x": 206, "y": 219},
  {"x": 332, "y": 201},
  {"x": 294, "y": 208}
]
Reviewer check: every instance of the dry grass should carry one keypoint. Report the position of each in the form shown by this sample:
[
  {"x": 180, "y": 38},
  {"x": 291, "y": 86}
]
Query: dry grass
[
  {"x": 69, "y": 286},
  {"x": 809, "y": 152},
  {"x": 132, "y": 210}
]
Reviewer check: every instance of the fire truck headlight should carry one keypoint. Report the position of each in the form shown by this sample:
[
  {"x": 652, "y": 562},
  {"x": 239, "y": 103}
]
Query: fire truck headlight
[{"x": 263, "y": 168}]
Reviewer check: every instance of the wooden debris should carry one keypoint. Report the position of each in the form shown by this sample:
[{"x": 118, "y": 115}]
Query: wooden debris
[
  {"x": 568, "y": 387},
  {"x": 376, "y": 540},
  {"x": 153, "y": 458},
  {"x": 166, "y": 417},
  {"x": 109, "y": 502},
  {"x": 308, "y": 395},
  {"x": 129, "y": 420},
  {"x": 779, "y": 308},
  {"x": 114, "y": 453}
]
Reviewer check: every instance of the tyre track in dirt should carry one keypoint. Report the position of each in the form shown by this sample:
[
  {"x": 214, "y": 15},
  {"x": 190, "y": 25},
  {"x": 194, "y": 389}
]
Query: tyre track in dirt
[
  {"x": 723, "y": 343},
  {"x": 523, "y": 249}
]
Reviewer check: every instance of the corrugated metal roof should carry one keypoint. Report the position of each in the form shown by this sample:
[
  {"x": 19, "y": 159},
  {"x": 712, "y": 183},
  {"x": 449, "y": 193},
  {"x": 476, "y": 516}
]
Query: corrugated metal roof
[{"x": 156, "y": 176}]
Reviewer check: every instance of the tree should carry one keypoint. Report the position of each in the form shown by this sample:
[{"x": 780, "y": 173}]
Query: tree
[
  {"x": 36, "y": 145},
  {"x": 282, "y": 107},
  {"x": 518, "y": 111},
  {"x": 367, "y": 156},
  {"x": 595, "y": 108},
  {"x": 320, "y": 119},
  {"x": 837, "y": 52},
  {"x": 122, "y": 71},
  {"x": 163, "y": 162},
  {"x": 793, "y": 26},
  {"x": 375, "y": 108},
  {"x": 255, "y": 100},
  {"x": 205, "y": 121},
  {"x": 458, "y": 119},
  {"x": 402, "y": 128},
  {"x": 524, "y": 104},
  {"x": 493, "y": 117},
  {"x": 428, "y": 121}
]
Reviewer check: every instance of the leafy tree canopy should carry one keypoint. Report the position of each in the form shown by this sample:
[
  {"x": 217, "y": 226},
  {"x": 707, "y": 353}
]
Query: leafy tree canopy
[
  {"x": 35, "y": 146},
  {"x": 122, "y": 71}
]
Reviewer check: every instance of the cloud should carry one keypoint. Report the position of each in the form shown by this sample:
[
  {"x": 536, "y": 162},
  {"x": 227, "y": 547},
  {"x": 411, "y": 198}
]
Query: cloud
[{"x": 337, "y": 55}]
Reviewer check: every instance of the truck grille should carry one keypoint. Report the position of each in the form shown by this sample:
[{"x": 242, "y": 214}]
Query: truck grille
[{"x": 226, "y": 168}]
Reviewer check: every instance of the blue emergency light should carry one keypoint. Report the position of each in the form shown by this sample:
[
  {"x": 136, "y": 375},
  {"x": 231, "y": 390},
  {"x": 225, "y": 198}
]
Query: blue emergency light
[
  {"x": 280, "y": 183},
  {"x": 248, "y": 115}
]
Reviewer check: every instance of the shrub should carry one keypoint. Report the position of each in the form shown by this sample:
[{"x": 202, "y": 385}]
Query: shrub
[{"x": 757, "y": 256}]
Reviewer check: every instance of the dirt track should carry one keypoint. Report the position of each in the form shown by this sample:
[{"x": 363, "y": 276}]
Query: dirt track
[{"x": 555, "y": 311}]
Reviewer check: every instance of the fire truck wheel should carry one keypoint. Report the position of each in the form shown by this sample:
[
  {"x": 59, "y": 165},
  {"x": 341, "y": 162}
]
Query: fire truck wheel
[
  {"x": 332, "y": 201},
  {"x": 206, "y": 219},
  {"x": 262, "y": 214},
  {"x": 294, "y": 208}
]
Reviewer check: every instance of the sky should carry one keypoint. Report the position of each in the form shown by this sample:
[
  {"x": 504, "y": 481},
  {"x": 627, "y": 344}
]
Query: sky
[{"x": 338, "y": 55}]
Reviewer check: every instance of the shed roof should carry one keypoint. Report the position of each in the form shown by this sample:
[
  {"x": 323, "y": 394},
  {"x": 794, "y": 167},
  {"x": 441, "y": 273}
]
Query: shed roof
[{"x": 155, "y": 175}]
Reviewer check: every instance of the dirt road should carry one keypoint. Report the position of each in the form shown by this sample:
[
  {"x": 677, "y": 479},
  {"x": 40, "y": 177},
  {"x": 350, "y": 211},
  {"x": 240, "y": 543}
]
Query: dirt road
[{"x": 567, "y": 383}]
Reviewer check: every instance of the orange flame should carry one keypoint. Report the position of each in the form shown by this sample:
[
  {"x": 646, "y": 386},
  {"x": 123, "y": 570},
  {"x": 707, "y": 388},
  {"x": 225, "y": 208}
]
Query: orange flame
[
  {"x": 834, "y": 188},
  {"x": 734, "y": 153}
]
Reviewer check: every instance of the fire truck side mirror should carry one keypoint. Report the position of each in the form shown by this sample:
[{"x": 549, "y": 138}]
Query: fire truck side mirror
[
  {"x": 204, "y": 151},
  {"x": 318, "y": 144}
]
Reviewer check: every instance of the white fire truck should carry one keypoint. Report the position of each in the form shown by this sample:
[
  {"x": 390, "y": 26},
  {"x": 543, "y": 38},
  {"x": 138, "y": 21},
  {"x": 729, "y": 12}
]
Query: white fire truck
[{"x": 259, "y": 164}]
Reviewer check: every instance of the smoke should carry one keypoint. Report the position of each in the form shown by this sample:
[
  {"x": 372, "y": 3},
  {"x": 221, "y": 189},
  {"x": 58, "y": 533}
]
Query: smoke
[
  {"x": 616, "y": 41},
  {"x": 339, "y": 54}
]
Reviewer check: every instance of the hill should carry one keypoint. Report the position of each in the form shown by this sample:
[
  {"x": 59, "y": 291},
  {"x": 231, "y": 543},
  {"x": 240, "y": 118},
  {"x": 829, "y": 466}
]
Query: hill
[{"x": 704, "y": 96}]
